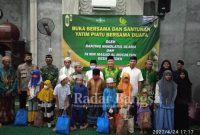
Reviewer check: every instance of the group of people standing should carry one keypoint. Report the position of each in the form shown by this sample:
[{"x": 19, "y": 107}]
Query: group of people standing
[{"x": 157, "y": 100}]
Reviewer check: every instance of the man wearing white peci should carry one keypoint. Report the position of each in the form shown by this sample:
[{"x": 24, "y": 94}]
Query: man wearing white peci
[{"x": 67, "y": 69}]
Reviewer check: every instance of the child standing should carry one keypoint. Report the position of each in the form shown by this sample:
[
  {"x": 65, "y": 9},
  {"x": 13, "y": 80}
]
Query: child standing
[
  {"x": 166, "y": 91},
  {"x": 46, "y": 98},
  {"x": 124, "y": 103},
  {"x": 33, "y": 89},
  {"x": 79, "y": 101},
  {"x": 183, "y": 98},
  {"x": 109, "y": 102},
  {"x": 144, "y": 112},
  {"x": 125, "y": 95},
  {"x": 95, "y": 91},
  {"x": 62, "y": 94}
]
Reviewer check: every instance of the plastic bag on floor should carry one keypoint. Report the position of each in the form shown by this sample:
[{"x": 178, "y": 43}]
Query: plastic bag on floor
[
  {"x": 62, "y": 124},
  {"x": 103, "y": 124},
  {"x": 21, "y": 118}
]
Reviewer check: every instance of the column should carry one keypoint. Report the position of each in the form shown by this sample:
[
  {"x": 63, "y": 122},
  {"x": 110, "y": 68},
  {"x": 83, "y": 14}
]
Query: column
[{"x": 33, "y": 29}]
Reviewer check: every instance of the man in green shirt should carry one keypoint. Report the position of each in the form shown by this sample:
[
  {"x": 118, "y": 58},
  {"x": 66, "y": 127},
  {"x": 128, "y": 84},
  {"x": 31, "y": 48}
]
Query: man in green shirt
[
  {"x": 150, "y": 77},
  {"x": 111, "y": 70}
]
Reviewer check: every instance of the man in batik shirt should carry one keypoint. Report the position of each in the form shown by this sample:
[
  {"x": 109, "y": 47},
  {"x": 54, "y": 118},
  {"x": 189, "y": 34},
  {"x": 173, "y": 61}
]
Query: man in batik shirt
[{"x": 7, "y": 90}]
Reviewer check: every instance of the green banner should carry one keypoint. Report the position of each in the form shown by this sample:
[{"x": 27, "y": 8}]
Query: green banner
[{"x": 96, "y": 37}]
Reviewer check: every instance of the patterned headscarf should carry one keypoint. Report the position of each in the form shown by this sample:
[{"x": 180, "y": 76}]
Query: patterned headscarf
[{"x": 35, "y": 77}]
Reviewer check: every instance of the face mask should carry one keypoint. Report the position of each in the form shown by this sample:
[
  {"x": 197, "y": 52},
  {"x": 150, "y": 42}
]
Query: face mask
[
  {"x": 92, "y": 67},
  {"x": 28, "y": 61},
  {"x": 46, "y": 87}
]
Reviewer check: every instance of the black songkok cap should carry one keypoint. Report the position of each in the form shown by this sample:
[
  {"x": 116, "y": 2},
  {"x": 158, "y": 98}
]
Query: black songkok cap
[
  {"x": 96, "y": 71},
  {"x": 93, "y": 61},
  {"x": 181, "y": 62},
  {"x": 48, "y": 56},
  {"x": 110, "y": 57}
]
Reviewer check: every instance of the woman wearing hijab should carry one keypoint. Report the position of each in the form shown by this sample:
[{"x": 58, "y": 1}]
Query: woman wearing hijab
[
  {"x": 183, "y": 98},
  {"x": 165, "y": 95},
  {"x": 166, "y": 65}
]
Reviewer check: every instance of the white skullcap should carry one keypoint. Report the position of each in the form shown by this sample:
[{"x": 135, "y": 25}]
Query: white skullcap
[
  {"x": 62, "y": 77},
  {"x": 109, "y": 80},
  {"x": 77, "y": 64},
  {"x": 67, "y": 59}
]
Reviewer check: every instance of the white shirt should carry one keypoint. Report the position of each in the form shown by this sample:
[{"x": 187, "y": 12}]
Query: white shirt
[
  {"x": 66, "y": 71},
  {"x": 89, "y": 75},
  {"x": 157, "y": 95},
  {"x": 62, "y": 92},
  {"x": 135, "y": 77}
]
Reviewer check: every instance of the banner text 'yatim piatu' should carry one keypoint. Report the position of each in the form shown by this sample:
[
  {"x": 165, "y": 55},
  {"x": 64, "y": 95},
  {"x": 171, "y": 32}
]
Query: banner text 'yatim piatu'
[{"x": 96, "y": 37}]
